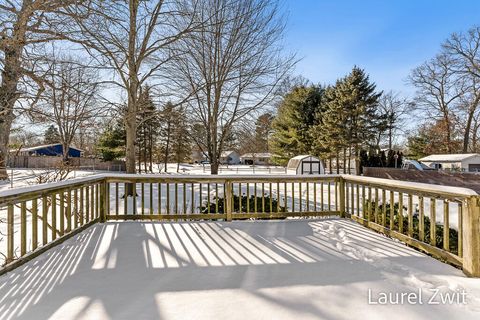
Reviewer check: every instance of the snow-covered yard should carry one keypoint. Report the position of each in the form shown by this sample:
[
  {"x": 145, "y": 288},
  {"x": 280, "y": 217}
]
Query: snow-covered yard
[{"x": 301, "y": 269}]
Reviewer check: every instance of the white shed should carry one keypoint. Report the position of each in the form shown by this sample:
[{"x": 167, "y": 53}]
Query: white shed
[
  {"x": 305, "y": 164},
  {"x": 469, "y": 162}
]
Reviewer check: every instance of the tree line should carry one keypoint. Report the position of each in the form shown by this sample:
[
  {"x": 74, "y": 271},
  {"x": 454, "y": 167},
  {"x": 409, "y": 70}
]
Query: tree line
[
  {"x": 447, "y": 98},
  {"x": 337, "y": 122},
  {"x": 81, "y": 65}
]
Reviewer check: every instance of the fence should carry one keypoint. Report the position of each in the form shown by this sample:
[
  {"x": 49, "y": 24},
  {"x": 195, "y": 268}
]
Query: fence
[
  {"x": 442, "y": 221},
  {"x": 49, "y": 162}
]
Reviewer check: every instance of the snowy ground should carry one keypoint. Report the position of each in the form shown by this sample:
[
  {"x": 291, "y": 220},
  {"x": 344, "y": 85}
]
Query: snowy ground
[
  {"x": 304, "y": 269},
  {"x": 28, "y": 177}
]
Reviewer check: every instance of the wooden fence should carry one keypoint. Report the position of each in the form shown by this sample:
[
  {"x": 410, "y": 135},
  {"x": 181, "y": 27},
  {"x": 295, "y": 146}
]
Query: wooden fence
[
  {"x": 49, "y": 162},
  {"x": 442, "y": 221}
]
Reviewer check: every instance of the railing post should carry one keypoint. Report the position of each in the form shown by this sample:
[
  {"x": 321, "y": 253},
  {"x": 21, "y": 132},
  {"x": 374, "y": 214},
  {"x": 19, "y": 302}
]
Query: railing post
[
  {"x": 471, "y": 237},
  {"x": 341, "y": 186},
  {"x": 229, "y": 200},
  {"x": 104, "y": 200}
]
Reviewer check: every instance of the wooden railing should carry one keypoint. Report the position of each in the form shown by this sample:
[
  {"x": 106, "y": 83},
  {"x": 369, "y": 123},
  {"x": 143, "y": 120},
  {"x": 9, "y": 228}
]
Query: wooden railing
[{"x": 37, "y": 218}]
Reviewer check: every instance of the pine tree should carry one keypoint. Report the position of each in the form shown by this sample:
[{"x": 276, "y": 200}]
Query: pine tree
[
  {"x": 263, "y": 131},
  {"x": 51, "y": 135},
  {"x": 292, "y": 125},
  {"x": 111, "y": 144},
  {"x": 147, "y": 130},
  {"x": 350, "y": 121}
]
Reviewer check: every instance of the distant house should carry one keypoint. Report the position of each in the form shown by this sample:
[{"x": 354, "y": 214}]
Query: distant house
[
  {"x": 49, "y": 150},
  {"x": 469, "y": 162},
  {"x": 198, "y": 156},
  {"x": 262, "y": 158},
  {"x": 229, "y": 157}
]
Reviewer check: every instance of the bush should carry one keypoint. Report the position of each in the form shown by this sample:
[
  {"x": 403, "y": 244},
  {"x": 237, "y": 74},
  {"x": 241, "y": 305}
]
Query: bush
[
  {"x": 453, "y": 243},
  {"x": 205, "y": 208}
]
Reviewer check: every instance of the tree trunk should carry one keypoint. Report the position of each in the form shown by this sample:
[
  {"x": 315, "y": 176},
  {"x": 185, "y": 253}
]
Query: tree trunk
[
  {"x": 167, "y": 146},
  {"x": 9, "y": 85},
  {"x": 214, "y": 165},
  {"x": 468, "y": 127}
]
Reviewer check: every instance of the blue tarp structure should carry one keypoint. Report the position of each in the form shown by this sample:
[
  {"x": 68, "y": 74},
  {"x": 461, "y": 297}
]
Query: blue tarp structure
[{"x": 52, "y": 150}]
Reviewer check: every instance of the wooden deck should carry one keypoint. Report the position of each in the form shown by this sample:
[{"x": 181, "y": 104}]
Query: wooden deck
[{"x": 291, "y": 269}]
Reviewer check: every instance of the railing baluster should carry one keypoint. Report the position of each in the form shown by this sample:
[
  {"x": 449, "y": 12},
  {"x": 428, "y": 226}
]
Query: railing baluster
[
  {"x": 10, "y": 234},
  {"x": 263, "y": 197},
  {"x": 92, "y": 203},
  {"x": 176, "y": 198},
  {"x": 384, "y": 208},
  {"x": 446, "y": 226},
  {"x": 116, "y": 199},
  {"x": 278, "y": 197},
  {"x": 364, "y": 204},
  {"x": 34, "y": 223},
  {"x": 392, "y": 210},
  {"x": 142, "y": 201},
  {"x": 151, "y": 198},
  {"x": 300, "y": 197},
  {"x": 125, "y": 200},
  {"x": 293, "y": 197},
  {"x": 192, "y": 186},
  {"x": 61, "y": 199},
  {"x": 357, "y": 187},
  {"x": 400, "y": 212},
  {"x": 255, "y": 197},
  {"x": 460, "y": 228},
  {"x": 329, "y": 196},
  {"x": 271, "y": 196},
  {"x": 248, "y": 197},
  {"x": 239, "y": 197},
  {"x": 159, "y": 200},
  {"x": 200, "y": 204},
  {"x": 184, "y": 198},
  {"x": 433, "y": 219},
  {"x": 167, "y": 204},
  {"x": 69, "y": 211},
  {"x": 352, "y": 199},
  {"x": 44, "y": 220},
  {"x": 322, "y": 202},
  {"x": 75, "y": 209},
  {"x": 81, "y": 213},
  {"x": 216, "y": 197},
  {"x": 376, "y": 204},
  {"x": 23, "y": 228},
  {"x": 315, "y": 197},
  {"x": 421, "y": 220},
  {"x": 410, "y": 216},
  {"x": 54, "y": 216},
  {"x": 336, "y": 190}
]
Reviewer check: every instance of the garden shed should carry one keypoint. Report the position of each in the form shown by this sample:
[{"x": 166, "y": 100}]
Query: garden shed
[{"x": 305, "y": 164}]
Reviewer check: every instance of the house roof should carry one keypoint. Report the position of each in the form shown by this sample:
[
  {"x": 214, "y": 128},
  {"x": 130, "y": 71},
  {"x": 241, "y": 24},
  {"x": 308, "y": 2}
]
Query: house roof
[
  {"x": 257, "y": 155},
  {"x": 301, "y": 157},
  {"x": 225, "y": 154},
  {"x": 449, "y": 157},
  {"x": 46, "y": 146}
]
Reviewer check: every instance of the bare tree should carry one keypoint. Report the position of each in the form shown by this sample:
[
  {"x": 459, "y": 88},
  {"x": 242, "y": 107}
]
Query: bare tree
[
  {"x": 70, "y": 100},
  {"x": 439, "y": 89},
  {"x": 233, "y": 66},
  {"x": 24, "y": 27},
  {"x": 394, "y": 108},
  {"x": 464, "y": 50},
  {"x": 129, "y": 38}
]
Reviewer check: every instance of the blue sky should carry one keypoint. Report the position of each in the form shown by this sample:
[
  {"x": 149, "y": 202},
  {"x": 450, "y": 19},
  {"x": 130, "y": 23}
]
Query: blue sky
[{"x": 387, "y": 38}]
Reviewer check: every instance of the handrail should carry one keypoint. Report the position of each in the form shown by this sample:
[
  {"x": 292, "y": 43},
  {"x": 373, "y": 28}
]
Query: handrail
[{"x": 443, "y": 221}]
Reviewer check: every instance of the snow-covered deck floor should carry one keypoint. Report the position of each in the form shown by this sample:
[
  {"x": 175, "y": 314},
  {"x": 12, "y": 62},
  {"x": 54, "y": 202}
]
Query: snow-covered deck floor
[{"x": 303, "y": 269}]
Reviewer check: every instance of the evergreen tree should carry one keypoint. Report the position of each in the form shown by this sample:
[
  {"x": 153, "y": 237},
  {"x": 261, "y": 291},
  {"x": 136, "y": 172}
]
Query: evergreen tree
[
  {"x": 147, "y": 130},
  {"x": 111, "y": 144},
  {"x": 263, "y": 130},
  {"x": 350, "y": 121},
  {"x": 291, "y": 127},
  {"x": 51, "y": 135}
]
